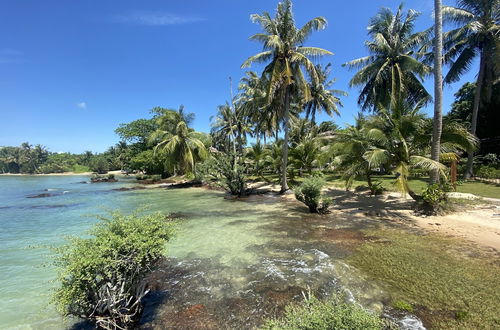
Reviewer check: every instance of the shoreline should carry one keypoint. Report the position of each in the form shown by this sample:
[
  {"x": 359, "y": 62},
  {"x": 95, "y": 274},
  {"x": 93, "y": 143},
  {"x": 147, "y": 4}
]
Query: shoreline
[{"x": 118, "y": 172}]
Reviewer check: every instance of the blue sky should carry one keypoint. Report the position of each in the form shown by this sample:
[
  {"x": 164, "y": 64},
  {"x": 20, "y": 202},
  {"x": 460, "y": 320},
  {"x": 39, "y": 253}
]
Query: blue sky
[{"x": 72, "y": 71}]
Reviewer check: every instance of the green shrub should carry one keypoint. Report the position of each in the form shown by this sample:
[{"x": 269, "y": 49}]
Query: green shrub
[
  {"x": 309, "y": 193},
  {"x": 155, "y": 177},
  {"x": 221, "y": 169},
  {"x": 99, "y": 164},
  {"x": 101, "y": 276},
  {"x": 111, "y": 176},
  {"x": 488, "y": 172},
  {"x": 77, "y": 168},
  {"x": 377, "y": 188},
  {"x": 334, "y": 313},
  {"x": 433, "y": 199},
  {"x": 402, "y": 306}
]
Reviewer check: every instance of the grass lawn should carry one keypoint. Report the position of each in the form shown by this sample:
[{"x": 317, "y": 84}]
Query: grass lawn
[
  {"x": 446, "y": 283},
  {"x": 480, "y": 189}
]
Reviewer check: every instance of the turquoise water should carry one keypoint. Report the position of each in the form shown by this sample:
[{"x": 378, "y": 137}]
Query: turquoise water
[{"x": 235, "y": 260}]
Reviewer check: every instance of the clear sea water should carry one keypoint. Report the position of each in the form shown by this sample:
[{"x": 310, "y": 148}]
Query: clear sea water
[{"x": 226, "y": 252}]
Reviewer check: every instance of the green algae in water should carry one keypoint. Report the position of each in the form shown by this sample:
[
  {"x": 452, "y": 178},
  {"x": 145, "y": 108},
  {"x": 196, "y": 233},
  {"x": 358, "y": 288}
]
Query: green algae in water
[{"x": 449, "y": 284}]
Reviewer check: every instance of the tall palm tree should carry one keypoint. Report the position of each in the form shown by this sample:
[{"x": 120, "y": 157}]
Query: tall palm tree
[
  {"x": 183, "y": 149},
  {"x": 286, "y": 56},
  {"x": 438, "y": 86},
  {"x": 322, "y": 97},
  {"x": 392, "y": 70},
  {"x": 478, "y": 34}
]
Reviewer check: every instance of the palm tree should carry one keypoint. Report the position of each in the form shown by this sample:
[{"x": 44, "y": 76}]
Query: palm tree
[
  {"x": 224, "y": 127},
  {"x": 286, "y": 57},
  {"x": 183, "y": 149},
  {"x": 350, "y": 148},
  {"x": 407, "y": 143},
  {"x": 257, "y": 154},
  {"x": 392, "y": 70},
  {"x": 478, "y": 34},
  {"x": 168, "y": 119},
  {"x": 438, "y": 86},
  {"x": 306, "y": 154},
  {"x": 322, "y": 97}
]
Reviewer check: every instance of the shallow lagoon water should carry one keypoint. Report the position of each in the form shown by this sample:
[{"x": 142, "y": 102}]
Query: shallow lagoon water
[{"x": 231, "y": 263}]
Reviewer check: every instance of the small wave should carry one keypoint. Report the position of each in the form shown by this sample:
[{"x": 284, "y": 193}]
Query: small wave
[{"x": 410, "y": 322}]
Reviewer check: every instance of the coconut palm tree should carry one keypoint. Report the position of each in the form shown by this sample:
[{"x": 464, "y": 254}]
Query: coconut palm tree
[
  {"x": 478, "y": 34},
  {"x": 286, "y": 56},
  {"x": 407, "y": 143},
  {"x": 168, "y": 119},
  {"x": 183, "y": 149},
  {"x": 257, "y": 154},
  {"x": 306, "y": 154},
  {"x": 322, "y": 96},
  {"x": 350, "y": 148},
  {"x": 392, "y": 70}
]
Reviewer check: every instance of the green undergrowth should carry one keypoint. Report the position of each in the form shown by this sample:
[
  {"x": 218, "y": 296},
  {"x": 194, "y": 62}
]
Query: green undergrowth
[
  {"x": 333, "y": 313},
  {"x": 447, "y": 284}
]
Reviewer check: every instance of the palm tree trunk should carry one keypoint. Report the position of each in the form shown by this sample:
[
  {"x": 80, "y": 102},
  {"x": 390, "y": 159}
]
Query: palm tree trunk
[
  {"x": 369, "y": 181},
  {"x": 284, "y": 162},
  {"x": 438, "y": 88},
  {"x": 477, "y": 101}
]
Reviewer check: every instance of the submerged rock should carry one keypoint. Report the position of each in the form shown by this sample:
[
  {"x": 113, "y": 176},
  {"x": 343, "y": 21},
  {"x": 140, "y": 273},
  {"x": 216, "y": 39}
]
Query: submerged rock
[
  {"x": 130, "y": 188},
  {"x": 42, "y": 195}
]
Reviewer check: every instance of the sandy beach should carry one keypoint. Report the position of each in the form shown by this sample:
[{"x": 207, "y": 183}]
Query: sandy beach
[{"x": 478, "y": 222}]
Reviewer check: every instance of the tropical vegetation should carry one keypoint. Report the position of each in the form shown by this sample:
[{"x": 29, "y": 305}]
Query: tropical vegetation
[{"x": 268, "y": 131}]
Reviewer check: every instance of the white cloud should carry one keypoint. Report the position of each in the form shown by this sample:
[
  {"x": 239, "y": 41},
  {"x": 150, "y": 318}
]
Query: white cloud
[
  {"x": 82, "y": 105},
  {"x": 155, "y": 18}
]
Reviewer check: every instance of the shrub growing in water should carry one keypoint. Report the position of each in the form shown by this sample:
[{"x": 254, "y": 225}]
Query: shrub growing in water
[
  {"x": 101, "y": 277},
  {"x": 309, "y": 193},
  {"x": 331, "y": 314}
]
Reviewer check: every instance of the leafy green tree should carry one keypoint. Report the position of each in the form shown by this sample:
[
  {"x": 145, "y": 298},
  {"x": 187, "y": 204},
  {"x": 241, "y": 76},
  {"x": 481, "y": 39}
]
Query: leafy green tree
[
  {"x": 286, "y": 56},
  {"x": 393, "y": 69},
  {"x": 137, "y": 131},
  {"x": 149, "y": 162},
  {"x": 99, "y": 164}
]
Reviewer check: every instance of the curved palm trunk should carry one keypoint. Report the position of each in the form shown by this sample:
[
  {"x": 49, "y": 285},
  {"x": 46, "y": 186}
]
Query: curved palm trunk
[
  {"x": 438, "y": 88},
  {"x": 284, "y": 163},
  {"x": 477, "y": 100},
  {"x": 369, "y": 181}
]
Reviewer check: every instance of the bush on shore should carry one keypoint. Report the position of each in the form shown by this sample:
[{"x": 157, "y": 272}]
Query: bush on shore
[
  {"x": 101, "y": 276},
  {"x": 309, "y": 193},
  {"x": 334, "y": 313}
]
